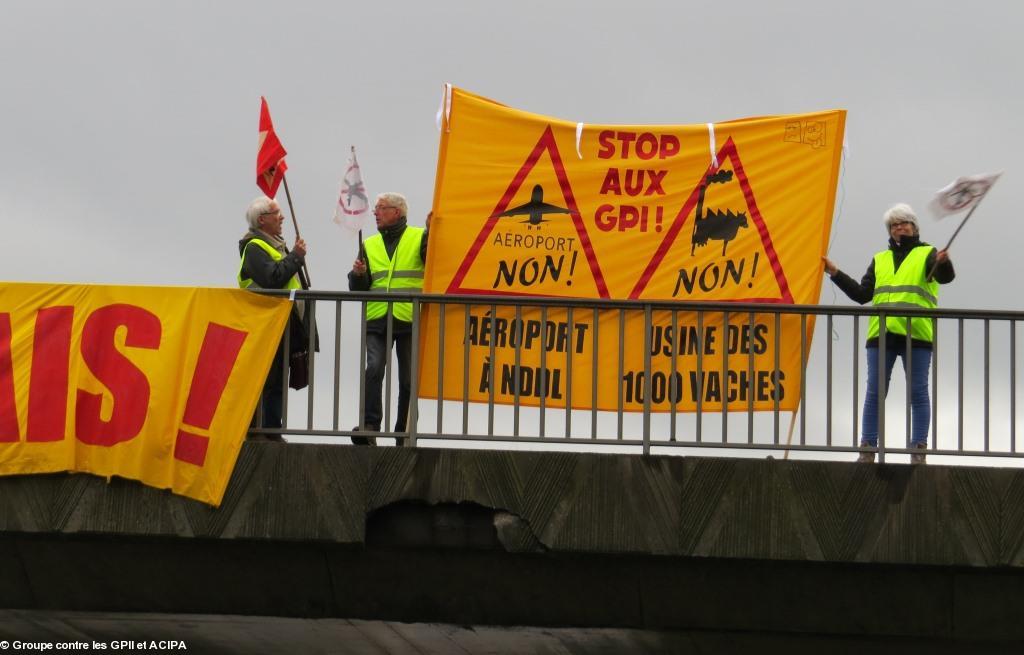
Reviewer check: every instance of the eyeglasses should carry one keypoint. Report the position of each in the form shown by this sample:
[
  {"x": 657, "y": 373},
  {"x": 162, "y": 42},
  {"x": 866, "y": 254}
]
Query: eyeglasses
[
  {"x": 899, "y": 223},
  {"x": 381, "y": 208},
  {"x": 276, "y": 212}
]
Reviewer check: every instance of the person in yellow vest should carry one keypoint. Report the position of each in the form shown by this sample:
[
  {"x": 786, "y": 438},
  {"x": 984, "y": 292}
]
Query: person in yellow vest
[
  {"x": 268, "y": 264},
  {"x": 899, "y": 277},
  {"x": 391, "y": 262}
]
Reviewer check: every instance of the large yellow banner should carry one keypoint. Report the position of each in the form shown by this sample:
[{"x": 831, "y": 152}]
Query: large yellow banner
[
  {"x": 151, "y": 384},
  {"x": 524, "y": 204}
]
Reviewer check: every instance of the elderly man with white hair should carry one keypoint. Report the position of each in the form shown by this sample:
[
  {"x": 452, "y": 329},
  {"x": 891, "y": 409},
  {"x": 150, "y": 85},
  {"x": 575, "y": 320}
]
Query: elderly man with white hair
[
  {"x": 268, "y": 264},
  {"x": 906, "y": 274},
  {"x": 390, "y": 262}
]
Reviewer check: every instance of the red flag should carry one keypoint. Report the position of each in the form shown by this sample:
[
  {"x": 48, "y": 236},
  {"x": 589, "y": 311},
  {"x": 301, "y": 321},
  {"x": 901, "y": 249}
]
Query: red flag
[{"x": 270, "y": 165}]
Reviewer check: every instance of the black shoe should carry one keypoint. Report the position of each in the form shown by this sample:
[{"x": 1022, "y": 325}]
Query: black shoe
[{"x": 363, "y": 441}]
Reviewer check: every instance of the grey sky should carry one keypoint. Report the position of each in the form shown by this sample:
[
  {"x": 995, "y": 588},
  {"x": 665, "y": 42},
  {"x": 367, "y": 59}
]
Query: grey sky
[{"x": 130, "y": 127}]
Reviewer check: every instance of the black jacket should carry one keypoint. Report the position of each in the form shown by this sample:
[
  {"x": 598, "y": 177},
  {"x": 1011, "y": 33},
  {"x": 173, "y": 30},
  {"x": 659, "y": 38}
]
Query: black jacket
[
  {"x": 266, "y": 273},
  {"x": 261, "y": 267},
  {"x": 864, "y": 291}
]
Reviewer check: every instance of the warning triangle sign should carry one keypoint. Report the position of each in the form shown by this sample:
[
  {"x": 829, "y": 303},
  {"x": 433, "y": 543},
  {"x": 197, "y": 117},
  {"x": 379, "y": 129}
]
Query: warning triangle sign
[
  {"x": 718, "y": 247},
  {"x": 534, "y": 242}
]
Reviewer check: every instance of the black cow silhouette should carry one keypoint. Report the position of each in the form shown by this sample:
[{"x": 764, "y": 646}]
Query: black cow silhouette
[
  {"x": 715, "y": 224},
  {"x": 718, "y": 226}
]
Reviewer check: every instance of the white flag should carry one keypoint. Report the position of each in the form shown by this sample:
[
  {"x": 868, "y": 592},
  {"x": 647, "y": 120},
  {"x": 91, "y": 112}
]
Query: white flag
[
  {"x": 353, "y": 206},
  {"x": 962, "y": 194}
]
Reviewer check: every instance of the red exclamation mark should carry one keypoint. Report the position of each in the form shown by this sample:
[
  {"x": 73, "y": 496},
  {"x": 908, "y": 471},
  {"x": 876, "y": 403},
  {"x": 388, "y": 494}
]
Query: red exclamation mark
[
  {"x": 8, "y": 408},
  {"x": 216, "y": 359}
]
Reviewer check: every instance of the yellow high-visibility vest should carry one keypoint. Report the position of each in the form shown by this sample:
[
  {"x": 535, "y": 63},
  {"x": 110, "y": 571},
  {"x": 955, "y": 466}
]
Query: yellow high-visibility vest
[
  {"x": 402, "y": 273},
  {"x": 906, "y": 287},
  {"x": 248, "y": 283}
]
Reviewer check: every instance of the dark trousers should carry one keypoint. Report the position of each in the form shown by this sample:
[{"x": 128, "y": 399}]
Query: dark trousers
[
  {"x": 377, "y": 355},
  {"x": 271, "y": 397}
]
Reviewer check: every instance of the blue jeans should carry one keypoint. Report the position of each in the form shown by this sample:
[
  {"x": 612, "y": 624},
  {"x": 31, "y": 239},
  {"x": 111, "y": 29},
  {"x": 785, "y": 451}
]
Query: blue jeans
[{"x": 920, "y": 400}]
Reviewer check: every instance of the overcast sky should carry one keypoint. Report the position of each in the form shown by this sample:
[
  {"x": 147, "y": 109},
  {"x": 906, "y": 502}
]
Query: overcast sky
[{"x": 130, "y": 127}]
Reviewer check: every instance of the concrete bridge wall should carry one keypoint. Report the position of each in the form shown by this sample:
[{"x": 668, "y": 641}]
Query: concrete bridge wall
[{"x": 528, "y": 538}]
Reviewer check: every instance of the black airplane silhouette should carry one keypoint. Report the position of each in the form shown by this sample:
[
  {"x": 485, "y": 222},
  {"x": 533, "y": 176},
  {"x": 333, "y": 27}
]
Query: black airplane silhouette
[{"x": 535, "y": 209}]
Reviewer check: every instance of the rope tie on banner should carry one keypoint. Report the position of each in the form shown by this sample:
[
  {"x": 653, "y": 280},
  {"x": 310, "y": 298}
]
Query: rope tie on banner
[
  {"x": 291, "y": 295},
  {"x": 579, "y": 135},
  {"x": 711, "y": 144},
  {"x": 445, "y": 108}
]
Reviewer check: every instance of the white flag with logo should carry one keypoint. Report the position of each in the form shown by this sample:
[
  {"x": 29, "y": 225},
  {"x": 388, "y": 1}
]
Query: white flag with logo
[
  {"x": 962, "y": 194},
  {"x": 353, "y": 206}
]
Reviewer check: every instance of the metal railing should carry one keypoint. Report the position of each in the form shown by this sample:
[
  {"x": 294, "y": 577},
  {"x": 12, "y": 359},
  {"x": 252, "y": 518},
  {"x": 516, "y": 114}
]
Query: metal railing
[{"x": 972, "y": 382}]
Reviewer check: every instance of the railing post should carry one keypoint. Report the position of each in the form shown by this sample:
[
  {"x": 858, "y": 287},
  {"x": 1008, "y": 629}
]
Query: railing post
[
  {"x": 648, "y": 383},
  {"x": 414, "y": 373},
  {"x": 389, "y": 347},
  {"x": 336, "y": 401},
  {"x": 311, "y": 343},
  {"x": 285, "y": 358},
  {"x": 882, "y": 384},
  {"x": 362, "y": 366}
]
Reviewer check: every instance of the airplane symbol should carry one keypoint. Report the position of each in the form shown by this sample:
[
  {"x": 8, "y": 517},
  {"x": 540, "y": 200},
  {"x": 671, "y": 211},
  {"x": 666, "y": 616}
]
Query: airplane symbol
[
  {"x": 355, "y": 189},
  {"x": 535, "y": 209}
]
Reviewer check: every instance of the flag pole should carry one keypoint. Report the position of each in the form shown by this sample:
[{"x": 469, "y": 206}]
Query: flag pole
[
  {"x": 931, "y": 273},
  {"x": 291, "y": 208}
]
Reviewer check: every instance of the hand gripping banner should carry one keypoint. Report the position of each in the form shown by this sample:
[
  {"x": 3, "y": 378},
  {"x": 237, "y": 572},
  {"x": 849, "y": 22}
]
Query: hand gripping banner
[{"x": 737, "y": 211}]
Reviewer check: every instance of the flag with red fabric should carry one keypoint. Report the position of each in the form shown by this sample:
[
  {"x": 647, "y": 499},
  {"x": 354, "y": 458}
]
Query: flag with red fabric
[{"x": 270, "y": 164}]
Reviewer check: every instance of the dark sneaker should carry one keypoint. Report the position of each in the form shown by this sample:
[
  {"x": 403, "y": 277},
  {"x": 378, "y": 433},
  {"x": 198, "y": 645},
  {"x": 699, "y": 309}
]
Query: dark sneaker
[
  {"x": 918, "y": 458},
  {"x": 363, "y": 441},
  {"x": 866, "y": 457}
]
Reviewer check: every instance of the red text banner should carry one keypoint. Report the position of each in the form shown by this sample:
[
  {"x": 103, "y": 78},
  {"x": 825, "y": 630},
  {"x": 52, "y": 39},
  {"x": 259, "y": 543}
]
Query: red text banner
[
  {"x": 151, "y": 384},
  {"x": 734, "y": 211}
]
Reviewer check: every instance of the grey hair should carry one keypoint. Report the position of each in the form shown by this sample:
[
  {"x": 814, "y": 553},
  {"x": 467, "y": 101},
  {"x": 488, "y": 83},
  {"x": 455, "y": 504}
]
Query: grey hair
[
  {"x": 257, "y": 208},
  {"x": 395, "y": 200},
  {"x": 899, "y": 213}
]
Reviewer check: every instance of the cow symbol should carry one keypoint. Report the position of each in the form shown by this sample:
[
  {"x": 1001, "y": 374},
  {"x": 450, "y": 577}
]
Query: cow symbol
[
  {"x": 715, "y": 225},
  {"x": 718, "y": 226}
]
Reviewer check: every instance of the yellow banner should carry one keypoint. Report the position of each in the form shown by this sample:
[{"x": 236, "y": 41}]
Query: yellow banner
[
  {"x": 697, "y": 360},
  {"x": 152, "y": 384},
  {"x": 525, "y": 204}
]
